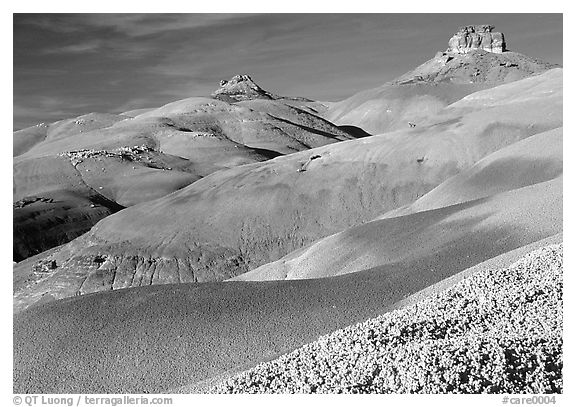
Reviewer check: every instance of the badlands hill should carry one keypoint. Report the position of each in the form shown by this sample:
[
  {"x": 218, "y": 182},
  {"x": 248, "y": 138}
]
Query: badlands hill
[
  {"x": 476, "y": 59},
  {"x": 321, "y": 232},
  {"x": 70, "y": 174},
  {"x": 254, "y": 321},
  {"x": 235, "y": 220}
]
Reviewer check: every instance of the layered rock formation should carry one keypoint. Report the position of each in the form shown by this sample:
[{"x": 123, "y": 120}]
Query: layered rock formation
[
  {"x": 242, "y": 88},
  {"x": 472, "y": 37},
  {"x": 475, "y": 54}
]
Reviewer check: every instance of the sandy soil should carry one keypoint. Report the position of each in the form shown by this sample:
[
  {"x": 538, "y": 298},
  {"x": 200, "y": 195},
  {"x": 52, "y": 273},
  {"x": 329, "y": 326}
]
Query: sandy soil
[{"x": 496, "y": 331}]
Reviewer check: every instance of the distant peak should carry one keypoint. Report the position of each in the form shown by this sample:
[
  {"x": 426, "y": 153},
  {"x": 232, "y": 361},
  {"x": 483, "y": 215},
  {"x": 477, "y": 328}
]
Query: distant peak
[
  {"x": 237, "y": 79},
  {"x": 477, "y": 37},
  {"x": 241, "y": 87},
  {"x": 475, "y": 54}
]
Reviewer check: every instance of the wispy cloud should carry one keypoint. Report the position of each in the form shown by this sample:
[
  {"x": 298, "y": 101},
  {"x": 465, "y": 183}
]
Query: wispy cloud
[
  {"x": 29, "y": 113},
  {"x": 134, "y": 104},
  {"x": 132, "y": 25},
  {"x": 80, "y": 48},
  {"x": 130, "y": 49},
  {"x": 45, "y": 108},
  {"x": 63, "y": 23},
  {"x": 35, "y": 71},
  {"x": 119, "y": 48},
  {"x": 136, "y": 25}
]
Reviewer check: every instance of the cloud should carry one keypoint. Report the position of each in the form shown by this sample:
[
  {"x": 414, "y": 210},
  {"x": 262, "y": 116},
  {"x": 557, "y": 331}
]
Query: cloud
[
  {"x": 135, "y": 25},
  {"x": 35, "y": 71},
  {"x": 127, "y": 36},
  {"x": 130, "y": 49},
  {"x": 26, "y": 116},
  {"x": 132, "y": 25},
  {"x": 80, "y": 48},
  {"x": 25, "y": 112},
  {"x": 66, "y": 23},
  {"x": 45, "y": 109},
  {"x": 119, "y": 48},
  {"x": 134, "y": 104}
]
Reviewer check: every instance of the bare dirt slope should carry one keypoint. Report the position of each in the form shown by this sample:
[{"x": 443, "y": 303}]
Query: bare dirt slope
[
  {"x": 535, "y": 159},
  {"x": 409, "y": 235},
  {"x": 24, "y": 139},
  {"x": 53, "y": 205},
  {"x": 57, "y": 198}
]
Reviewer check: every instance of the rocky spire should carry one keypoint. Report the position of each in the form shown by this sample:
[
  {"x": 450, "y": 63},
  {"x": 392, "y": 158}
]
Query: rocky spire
[
  {"x": 475, "y": 54},
  {"x": 241, "y": 87},
  {"x": 473, "y": 37}
]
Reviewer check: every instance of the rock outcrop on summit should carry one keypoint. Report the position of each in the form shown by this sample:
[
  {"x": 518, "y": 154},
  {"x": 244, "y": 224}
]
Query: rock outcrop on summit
[
  {"x": 242, "y": 87},
  {"x": 473, "y": 37},
  {"x": 476, "y": 59}
]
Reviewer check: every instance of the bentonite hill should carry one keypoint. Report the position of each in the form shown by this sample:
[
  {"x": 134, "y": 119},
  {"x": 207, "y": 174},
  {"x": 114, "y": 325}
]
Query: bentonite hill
[{"x": 406, "y": 239}]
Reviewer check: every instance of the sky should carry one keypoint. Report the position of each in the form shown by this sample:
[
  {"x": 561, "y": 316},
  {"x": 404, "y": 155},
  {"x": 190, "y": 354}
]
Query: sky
[{"x": 66, "y": 65}]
